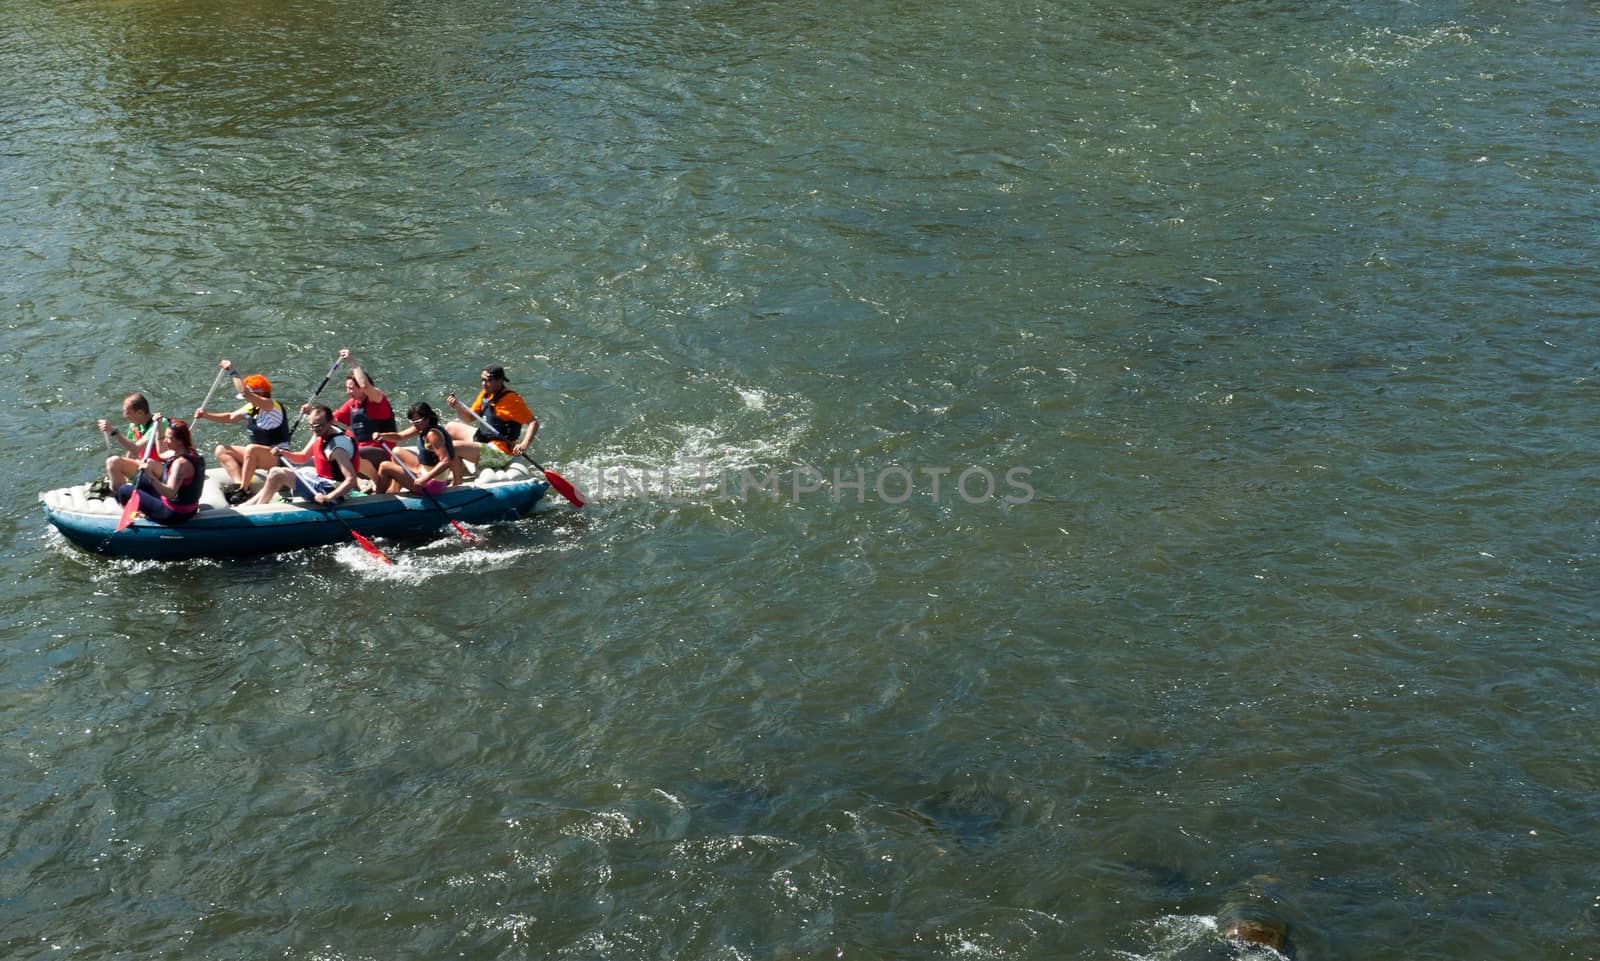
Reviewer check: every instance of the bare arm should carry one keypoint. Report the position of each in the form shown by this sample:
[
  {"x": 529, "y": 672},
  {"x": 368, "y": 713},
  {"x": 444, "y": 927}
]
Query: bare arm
[
  {"x": 179, "y": 474},
  {"x": 301, "y": 456},
  {"x": 369, "y": 391},
  {"x": 259, "y": 401},
  {"x": 128, "y": 446},
  {"x": 349, "y": 468},
  {"x": 436, "y": 444},
  {"x": 230, "y": 417},
  {"x": 528, "y": 433},
  {"x": 396, "y": 436}
]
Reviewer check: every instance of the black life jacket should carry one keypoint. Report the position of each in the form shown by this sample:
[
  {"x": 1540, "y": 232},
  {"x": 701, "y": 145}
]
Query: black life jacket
[{"x": 271, "y": 436}]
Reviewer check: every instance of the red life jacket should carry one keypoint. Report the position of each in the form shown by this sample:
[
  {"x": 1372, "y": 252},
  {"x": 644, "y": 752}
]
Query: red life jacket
[{"x": 325, "y": 464}]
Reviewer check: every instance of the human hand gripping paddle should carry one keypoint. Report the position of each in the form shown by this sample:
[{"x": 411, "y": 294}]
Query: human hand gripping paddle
[
  {"x": 132, "y": 507},
  {"x": 561, "y": 484},
  {"x": 366, "y": 545},
  {"x": 465, "y": 534}
]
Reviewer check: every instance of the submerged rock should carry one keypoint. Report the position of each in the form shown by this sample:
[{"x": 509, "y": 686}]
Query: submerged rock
[
  {"x": 1254, "y": 931},
  {"x": 1252, "y": 917},
  {"x": 970, "y": 814}
]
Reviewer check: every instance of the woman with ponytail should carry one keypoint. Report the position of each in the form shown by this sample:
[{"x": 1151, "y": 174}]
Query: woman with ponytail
[{"x": 175, "y": 497}]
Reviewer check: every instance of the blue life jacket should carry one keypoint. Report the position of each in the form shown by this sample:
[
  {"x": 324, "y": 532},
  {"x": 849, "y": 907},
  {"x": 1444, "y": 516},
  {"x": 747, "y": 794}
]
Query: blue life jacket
[
  {"x": 269, "y": 436},
  {"x": 426, "y": 456}
]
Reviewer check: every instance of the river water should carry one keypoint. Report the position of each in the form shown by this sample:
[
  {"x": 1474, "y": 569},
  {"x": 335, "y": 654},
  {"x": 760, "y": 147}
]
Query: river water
[{"x": 1065, "y": 476}]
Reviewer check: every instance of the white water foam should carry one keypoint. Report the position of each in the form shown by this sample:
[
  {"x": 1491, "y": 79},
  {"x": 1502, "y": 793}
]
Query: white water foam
[
  {"x": 416, "y": 564},
  {"x": 1173, "y": 934},
  {"x": 695, "y": 460},
  {"x": 1174, "y": 937}
]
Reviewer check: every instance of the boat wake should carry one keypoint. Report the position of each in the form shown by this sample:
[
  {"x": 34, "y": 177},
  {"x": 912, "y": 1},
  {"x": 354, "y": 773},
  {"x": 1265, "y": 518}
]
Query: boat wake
[
  {"x": 755, "y": 432},
  {"x": 414, "y": 564}
]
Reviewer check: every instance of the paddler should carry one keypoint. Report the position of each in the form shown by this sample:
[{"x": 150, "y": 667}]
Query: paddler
[
  {"x": 504, "y": 410},
  {"x": 175, "y": 497},
  {"x": 332, "y": 455},
  {"x": 267, "y": 422},
  {"x": 365, "y": 413},
  {"x": 120, "y": 468},
  {"x": 438, "y": 463}
]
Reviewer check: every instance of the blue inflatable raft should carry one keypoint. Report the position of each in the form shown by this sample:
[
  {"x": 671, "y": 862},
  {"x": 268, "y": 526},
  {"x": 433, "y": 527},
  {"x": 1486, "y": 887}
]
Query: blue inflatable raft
[{"x": 226, "y": 532}]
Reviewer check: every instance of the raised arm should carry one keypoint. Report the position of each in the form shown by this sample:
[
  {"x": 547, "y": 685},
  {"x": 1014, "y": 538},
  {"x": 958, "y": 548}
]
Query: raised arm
[
  {"x": 369, "y": 391},
  {"x": 258, "y": 401}
]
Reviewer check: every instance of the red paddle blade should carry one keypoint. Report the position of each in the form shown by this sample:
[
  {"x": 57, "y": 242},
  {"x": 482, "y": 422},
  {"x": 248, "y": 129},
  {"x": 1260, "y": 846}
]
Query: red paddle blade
[
  {"x": 465, "y": 534},
  {"x": 128, "y": 511},
  {"x": 564, "y": 488},
  {"x": 370, "y": 547}
]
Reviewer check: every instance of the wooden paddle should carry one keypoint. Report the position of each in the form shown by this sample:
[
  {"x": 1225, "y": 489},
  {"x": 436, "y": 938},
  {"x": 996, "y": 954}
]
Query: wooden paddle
[{"x": 561, "y": 484}]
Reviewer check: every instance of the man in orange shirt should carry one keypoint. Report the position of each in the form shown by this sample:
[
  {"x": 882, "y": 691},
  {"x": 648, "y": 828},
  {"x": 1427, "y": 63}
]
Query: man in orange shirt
[{"x": 504, "y": 410}]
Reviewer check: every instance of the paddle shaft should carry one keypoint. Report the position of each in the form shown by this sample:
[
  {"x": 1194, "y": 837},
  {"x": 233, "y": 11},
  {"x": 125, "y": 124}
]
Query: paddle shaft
[
  {"x": 150, "y": 440},
  {"x": 132, "y": 506},
  {"x": 366, "y": 545},
  {"x": 214, "y": 382},
  {"x": 431, "y": 499},
  {"x": 296, "y": 425},
  {"x": 561, "y": 484}
]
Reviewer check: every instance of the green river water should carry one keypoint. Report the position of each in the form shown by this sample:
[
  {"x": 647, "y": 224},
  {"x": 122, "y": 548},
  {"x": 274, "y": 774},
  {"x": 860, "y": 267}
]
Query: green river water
[{"x": 1065, "y": 476}]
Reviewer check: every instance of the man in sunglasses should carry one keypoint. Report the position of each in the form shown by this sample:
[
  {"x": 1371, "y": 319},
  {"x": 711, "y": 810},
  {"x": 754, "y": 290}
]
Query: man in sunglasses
[{"x": 330, "y": 473}]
